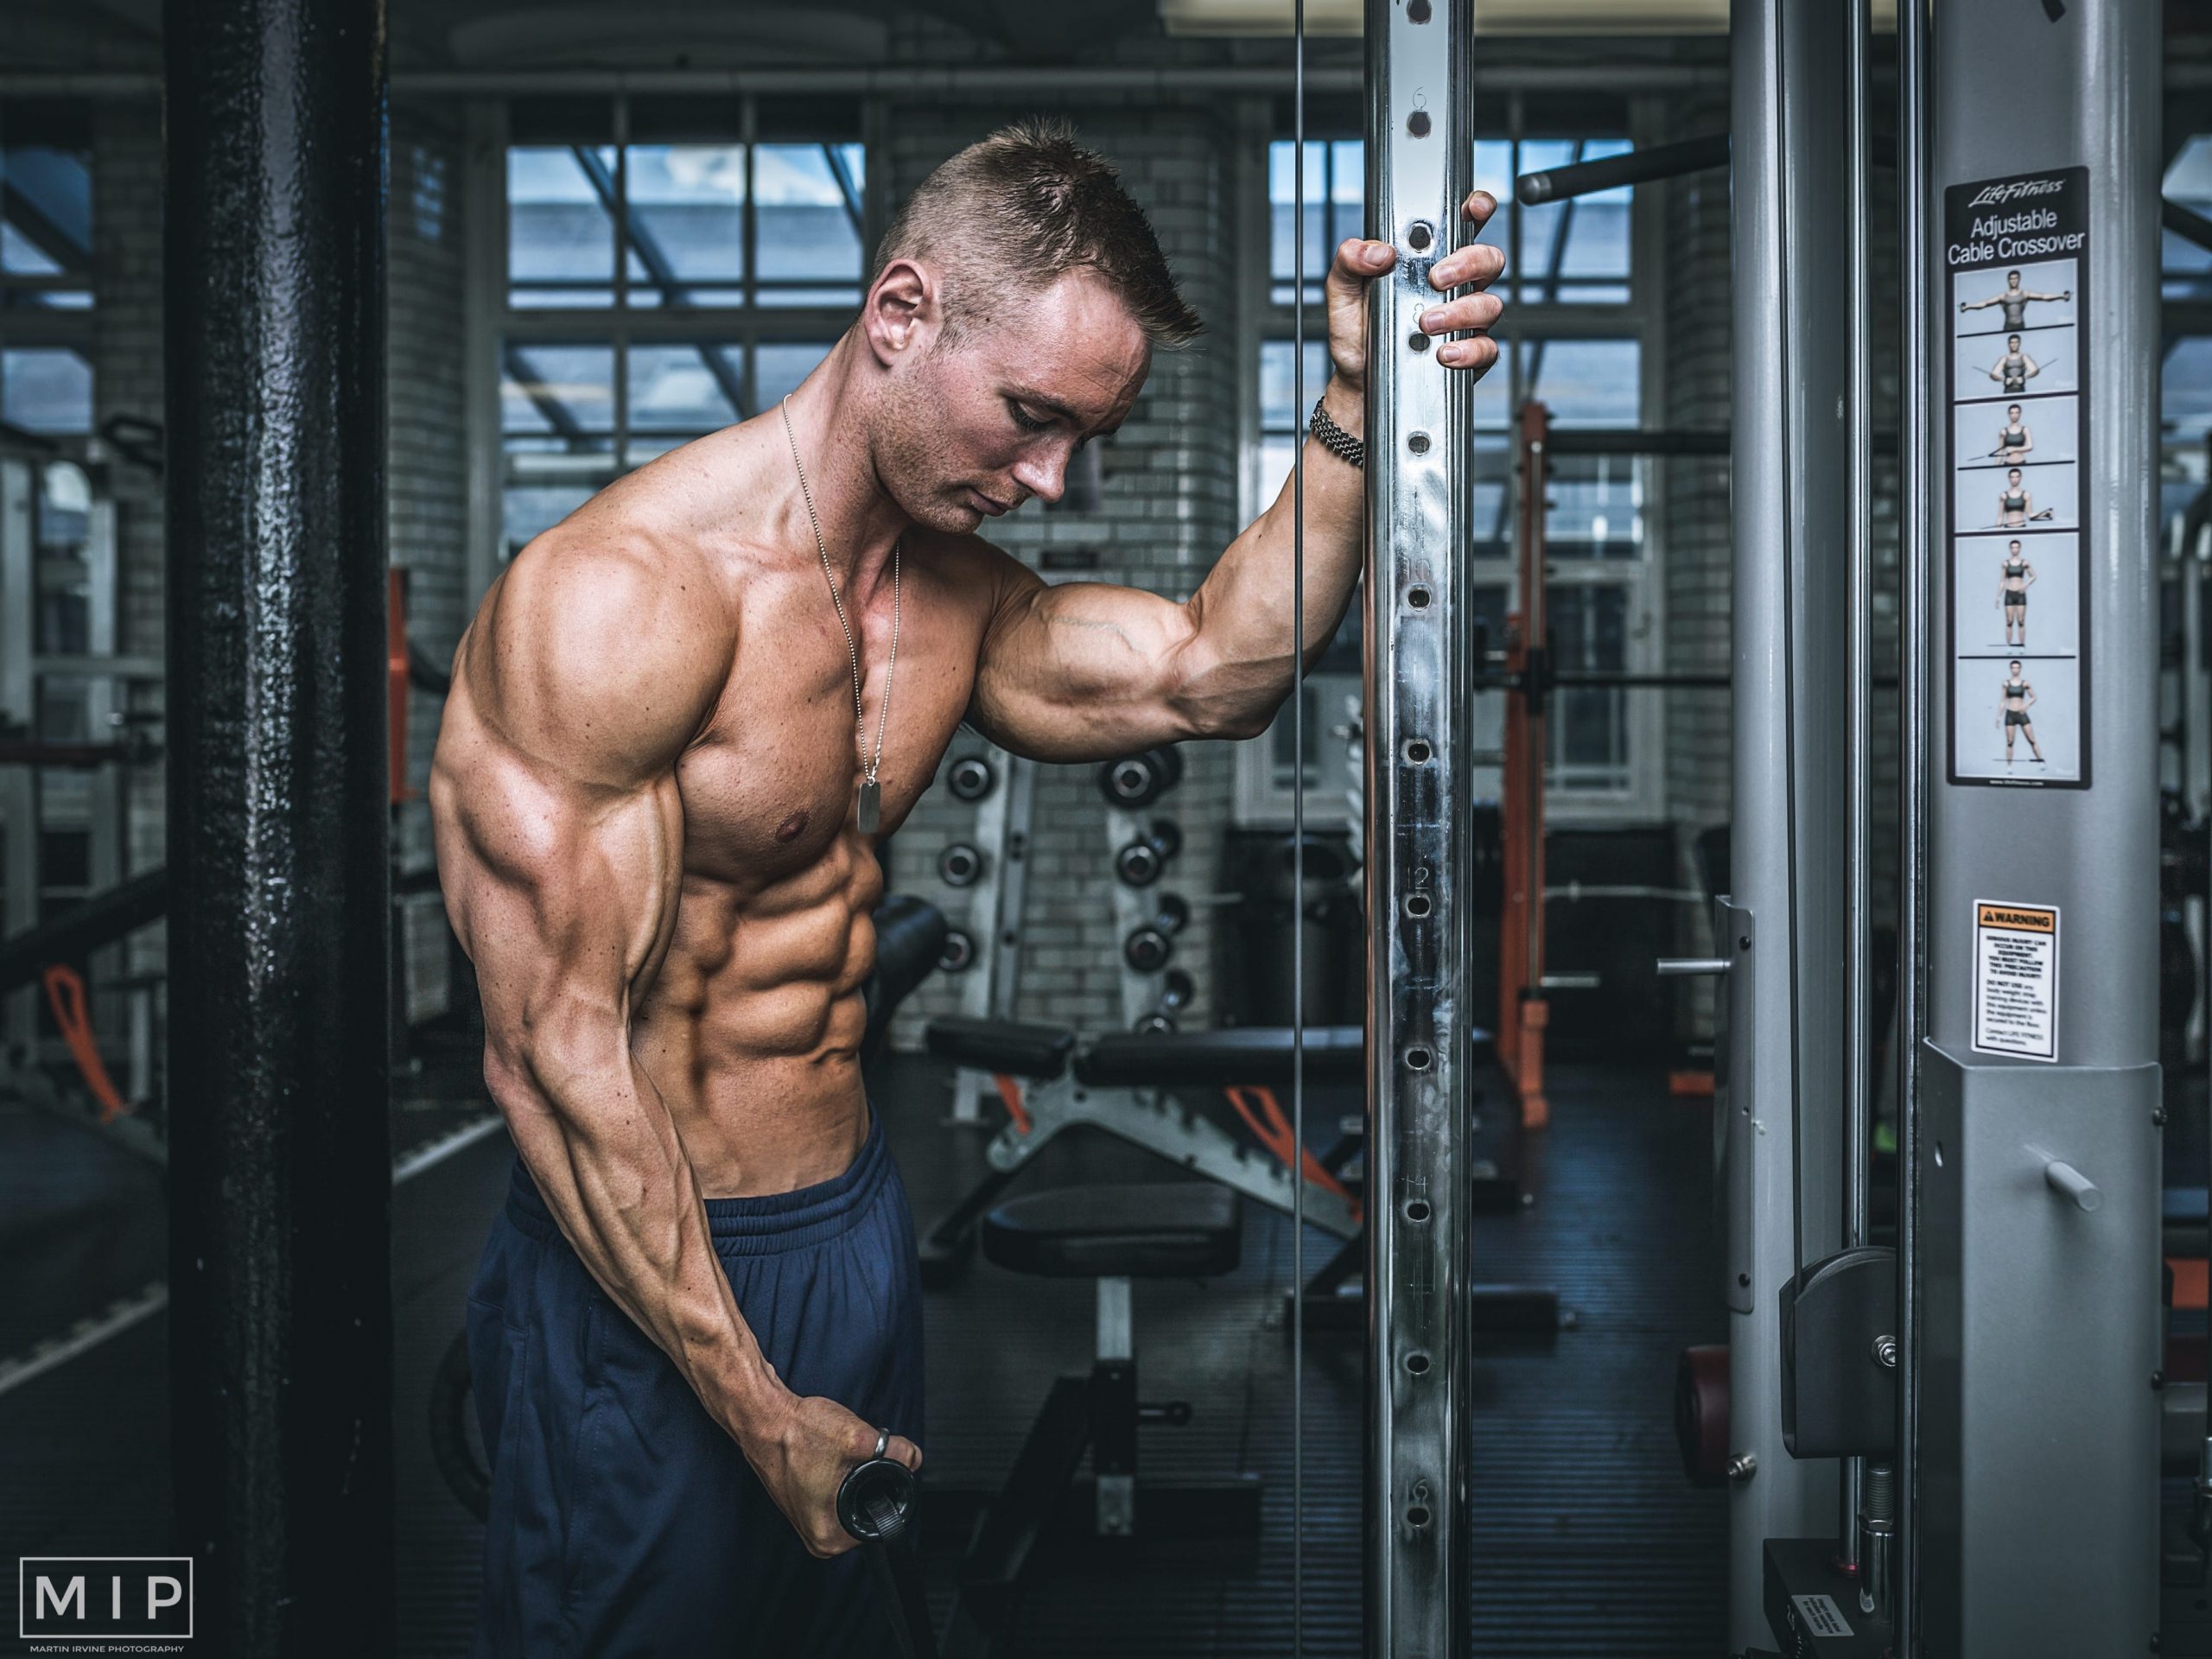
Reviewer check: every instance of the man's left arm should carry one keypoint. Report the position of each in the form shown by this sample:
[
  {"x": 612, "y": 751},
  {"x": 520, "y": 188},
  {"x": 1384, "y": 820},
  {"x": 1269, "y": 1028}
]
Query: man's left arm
[{"x": 1087, "y": 670}]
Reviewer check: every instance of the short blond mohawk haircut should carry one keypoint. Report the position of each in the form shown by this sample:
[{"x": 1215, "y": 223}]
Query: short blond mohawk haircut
[{"x": 1015, "y": 211}]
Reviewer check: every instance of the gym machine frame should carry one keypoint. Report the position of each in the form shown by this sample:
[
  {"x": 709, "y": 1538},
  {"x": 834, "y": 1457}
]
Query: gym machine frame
[
  {"x": 2030, "y": 1189},
  {"x": 1419, "y": 445}
]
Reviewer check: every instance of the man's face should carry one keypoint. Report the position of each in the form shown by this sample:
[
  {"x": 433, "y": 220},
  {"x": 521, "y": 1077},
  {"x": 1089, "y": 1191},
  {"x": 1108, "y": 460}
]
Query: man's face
[
  {"x": 2012, "y": 342},
  {"x": 977, "y": 426},
  {"x": 2011, "y": 279}
]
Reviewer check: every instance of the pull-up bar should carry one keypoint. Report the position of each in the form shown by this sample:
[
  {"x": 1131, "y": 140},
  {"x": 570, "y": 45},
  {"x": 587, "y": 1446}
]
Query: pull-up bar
[{"x": 1645, "y": 166}]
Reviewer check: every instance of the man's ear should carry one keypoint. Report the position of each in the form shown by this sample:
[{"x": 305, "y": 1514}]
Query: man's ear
[{"x": 901, "y": 311}]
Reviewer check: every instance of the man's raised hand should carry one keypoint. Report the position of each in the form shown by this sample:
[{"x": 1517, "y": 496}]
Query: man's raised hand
[{"x": 1464, "y": 274}]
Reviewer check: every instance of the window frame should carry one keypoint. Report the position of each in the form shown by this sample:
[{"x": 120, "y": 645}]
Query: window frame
[
  {"x": 57, "y": 124},
  {"x": 495, "y": 323},
  {"x": 1259, "y": 802}
]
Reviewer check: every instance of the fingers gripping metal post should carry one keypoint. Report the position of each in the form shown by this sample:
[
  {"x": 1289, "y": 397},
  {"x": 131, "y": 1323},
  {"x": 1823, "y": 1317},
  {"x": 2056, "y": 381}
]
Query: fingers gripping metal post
[{"x": 1419, "y": 158}]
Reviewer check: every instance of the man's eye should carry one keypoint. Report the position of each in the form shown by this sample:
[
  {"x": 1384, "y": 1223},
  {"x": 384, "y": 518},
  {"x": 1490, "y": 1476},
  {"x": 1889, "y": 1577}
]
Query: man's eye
[{"x": 1023, "y": 419}]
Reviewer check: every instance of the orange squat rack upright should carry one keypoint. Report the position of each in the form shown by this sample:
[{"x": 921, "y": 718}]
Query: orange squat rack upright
[{"x": 1522, "y": 1012}]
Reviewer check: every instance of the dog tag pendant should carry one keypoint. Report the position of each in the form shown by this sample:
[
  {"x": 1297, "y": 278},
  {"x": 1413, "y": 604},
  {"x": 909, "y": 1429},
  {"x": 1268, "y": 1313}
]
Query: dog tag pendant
[{"x": 871, "y": 807}]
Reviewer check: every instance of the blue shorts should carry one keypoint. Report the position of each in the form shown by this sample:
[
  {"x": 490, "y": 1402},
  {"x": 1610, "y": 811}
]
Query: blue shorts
[{"x": 624, "y": 1520}]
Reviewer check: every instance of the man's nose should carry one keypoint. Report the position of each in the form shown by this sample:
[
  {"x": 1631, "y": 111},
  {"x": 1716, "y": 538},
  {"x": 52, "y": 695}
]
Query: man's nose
[{"x": 1043, "y": 476}]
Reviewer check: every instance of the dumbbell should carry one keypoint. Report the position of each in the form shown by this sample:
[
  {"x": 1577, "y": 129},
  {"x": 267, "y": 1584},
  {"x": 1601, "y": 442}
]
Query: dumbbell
[
  {"x": 1140, "y": 780},
  {"x": 960, "y": 865},
  {"x": 959, "y": 952},
  {"x": 971, "y": 778},
  {"x": 1151, "y": 946},
  {"x": 1176, "y": 991},
  {"x": 875, "y": 1505},
  {"x": 1140, "y": 862}
]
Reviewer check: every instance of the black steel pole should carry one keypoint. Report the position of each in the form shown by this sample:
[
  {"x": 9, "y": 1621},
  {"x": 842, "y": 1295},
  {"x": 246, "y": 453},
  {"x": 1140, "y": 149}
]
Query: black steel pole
[
  {"x": 280, "y": 1343},
  {"x": 1645, "y": 166}
]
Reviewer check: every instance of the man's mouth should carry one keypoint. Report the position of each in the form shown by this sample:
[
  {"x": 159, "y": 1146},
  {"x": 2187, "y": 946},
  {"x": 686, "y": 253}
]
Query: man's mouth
[{"x": 996, "y": 509}]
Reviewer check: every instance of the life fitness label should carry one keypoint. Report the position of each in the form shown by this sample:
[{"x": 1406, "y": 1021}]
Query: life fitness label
[
  {"x": 2016, "y": 501},
  {"x": 2016, "y": 979}
]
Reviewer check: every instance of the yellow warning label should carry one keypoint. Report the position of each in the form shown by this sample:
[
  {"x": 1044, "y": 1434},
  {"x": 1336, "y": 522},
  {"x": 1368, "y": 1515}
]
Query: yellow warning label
[
  {"x": 2020, "y": 919},
  {"x": 2016, "y": 979}
]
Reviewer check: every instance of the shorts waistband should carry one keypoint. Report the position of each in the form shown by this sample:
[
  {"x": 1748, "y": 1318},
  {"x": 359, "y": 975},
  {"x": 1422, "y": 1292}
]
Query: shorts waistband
[{"x": 765, "y": 1225}]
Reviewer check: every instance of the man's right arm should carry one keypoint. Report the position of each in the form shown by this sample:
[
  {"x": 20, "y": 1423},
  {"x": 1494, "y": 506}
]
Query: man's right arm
[{"x": 560, "y": 849}]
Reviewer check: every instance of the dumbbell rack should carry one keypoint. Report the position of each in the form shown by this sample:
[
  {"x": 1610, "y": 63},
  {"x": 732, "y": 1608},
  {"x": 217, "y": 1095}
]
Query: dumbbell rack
[
  {"x": 1131, "y": 788},
  {"x": 989, "y": 963}
]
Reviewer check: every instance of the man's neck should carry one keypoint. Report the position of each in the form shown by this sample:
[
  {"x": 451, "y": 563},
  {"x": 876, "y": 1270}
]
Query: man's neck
[{"x": 858, "y": 520}]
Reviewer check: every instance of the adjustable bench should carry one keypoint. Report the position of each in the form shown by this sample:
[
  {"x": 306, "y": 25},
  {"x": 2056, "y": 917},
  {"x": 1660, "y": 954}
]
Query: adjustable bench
[
  {"x": 1122, "y": 1083},
  {"x": 1184, "y": 1230},
  {"x": 1126, "y": 1083}
]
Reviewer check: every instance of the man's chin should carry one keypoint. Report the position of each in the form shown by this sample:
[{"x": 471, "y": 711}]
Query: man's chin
[{"x": 951, "y": 518}]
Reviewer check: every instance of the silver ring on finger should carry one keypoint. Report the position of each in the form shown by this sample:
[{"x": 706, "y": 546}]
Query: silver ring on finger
[{"x": 882, "y": 1441}]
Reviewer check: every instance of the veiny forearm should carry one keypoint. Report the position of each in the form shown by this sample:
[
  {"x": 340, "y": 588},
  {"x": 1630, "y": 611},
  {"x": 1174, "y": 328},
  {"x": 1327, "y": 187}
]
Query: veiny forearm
[
  {"x": 600, "y": 1143},
  {"x": 1241, "y": 649}
]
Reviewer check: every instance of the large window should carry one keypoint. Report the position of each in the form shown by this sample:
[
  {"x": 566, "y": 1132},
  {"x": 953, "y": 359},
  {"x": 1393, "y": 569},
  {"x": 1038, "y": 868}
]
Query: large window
[
  {"x": 46, "y": 267},
  {"x": 1574, "y": 337},
  {"x": 2188, "y": 268},
  {"x": 672, "y": 267},
  {"x": 1573, "y": 253}
]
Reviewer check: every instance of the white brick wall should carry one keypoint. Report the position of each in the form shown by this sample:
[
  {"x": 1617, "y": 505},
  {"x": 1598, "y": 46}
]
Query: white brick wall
[
  {"x": 427, "y": 483},
  {"x": 127, "y": 380},
  {"x": 1168, "y": 510}
]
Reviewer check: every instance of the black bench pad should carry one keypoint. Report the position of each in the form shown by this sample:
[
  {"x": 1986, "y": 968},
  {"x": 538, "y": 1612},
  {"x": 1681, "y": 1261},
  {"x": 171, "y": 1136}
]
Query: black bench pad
[
  {"x": 1236, "y": 1054},
  {"x": 1027, "y": 1051},
  {"x": 1180, "y": 1229}
]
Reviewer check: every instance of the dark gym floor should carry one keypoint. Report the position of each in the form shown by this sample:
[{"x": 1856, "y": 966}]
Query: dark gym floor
[{"x": 1587, "y": 1541}]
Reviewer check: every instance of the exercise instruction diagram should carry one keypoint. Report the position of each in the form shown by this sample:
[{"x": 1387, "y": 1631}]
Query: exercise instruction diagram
[{"x": 2016, "y": 250}]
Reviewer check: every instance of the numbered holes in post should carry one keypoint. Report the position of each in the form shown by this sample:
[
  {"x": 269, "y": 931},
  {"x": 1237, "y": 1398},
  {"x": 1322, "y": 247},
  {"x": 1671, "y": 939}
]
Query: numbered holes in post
[{"x": 1420, "y": 234}]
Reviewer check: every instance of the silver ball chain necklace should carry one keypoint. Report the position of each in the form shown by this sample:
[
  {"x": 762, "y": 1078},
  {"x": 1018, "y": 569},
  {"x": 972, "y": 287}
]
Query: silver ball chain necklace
[{"x": 870, "y": 811}]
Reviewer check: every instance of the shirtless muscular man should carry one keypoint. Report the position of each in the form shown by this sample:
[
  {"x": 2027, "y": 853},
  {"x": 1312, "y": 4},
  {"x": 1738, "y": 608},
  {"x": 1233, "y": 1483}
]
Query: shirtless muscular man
[{"x": 657, "y": 806}]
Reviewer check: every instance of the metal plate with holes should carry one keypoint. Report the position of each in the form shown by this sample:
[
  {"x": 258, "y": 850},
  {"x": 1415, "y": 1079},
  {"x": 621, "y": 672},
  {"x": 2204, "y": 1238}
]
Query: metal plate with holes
[{"x": 1419, "y": 449}]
